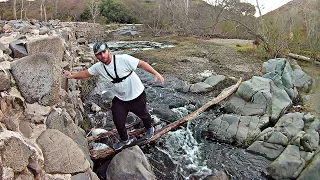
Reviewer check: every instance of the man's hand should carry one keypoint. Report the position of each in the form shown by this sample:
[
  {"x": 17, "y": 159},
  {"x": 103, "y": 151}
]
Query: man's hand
[
  {"x": 157, "y": 77},
  {"x": 79, "y": 75},
  {"x": 68, "y": 74},
  {"x": 150, "y": 69}
]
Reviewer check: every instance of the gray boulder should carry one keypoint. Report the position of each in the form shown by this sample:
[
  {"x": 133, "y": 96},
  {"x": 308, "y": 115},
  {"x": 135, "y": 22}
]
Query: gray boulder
[
  {"x": 200, "y": 87},
  {"x": 15, "y": 153},
  {"x": 38, "y": 78},
  {"x": 302, "y": 80},
  {"x": 214, "y": 79},
  {"x": 18, "y": 49},
  {"x": 53, "y": 45},
  {"x": 241, "y": 130},
  {"x": 290, "y": 124},
  {"x": 288, "y": 165},
  {"x": 129, "y": 164},
  {"x": 312, "y": 170},
  {"x": 5, "y": 80},
  {"x": 267, "y": 150},
  {"x": 259, "y": 96},
  {"x": 61, "y": 154},
  {"x": 60, "y": 120}
]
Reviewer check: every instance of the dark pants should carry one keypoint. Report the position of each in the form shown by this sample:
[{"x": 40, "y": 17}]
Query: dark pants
[{"x": 120, "y": 110}]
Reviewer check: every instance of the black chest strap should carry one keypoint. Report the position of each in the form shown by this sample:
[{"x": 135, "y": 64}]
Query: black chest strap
[{"x": 117, "y": 79}]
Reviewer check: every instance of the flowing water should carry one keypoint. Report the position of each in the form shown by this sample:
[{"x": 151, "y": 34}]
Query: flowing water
[{"x": 186, "y": 153}]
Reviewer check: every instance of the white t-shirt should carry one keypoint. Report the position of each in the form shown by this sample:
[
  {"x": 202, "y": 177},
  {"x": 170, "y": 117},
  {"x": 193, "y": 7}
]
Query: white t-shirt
[{"x": 131, "y": 87}]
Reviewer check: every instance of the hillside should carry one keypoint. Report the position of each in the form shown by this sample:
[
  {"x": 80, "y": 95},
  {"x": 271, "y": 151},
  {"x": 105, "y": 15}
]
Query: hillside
[
  {"x": 56, "y": 9},
  {"x": 295, "y": 8}
]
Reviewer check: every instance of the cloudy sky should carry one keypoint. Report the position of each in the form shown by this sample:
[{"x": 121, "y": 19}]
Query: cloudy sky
[{"x": 268, "y": 5}]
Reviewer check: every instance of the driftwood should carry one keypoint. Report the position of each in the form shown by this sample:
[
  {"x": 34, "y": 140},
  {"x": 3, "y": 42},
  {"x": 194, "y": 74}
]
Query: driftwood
[
  {"x": 114, "y": 132},
  {"x": 304, "y": 58},
  {"x": 97, "y": 154}
]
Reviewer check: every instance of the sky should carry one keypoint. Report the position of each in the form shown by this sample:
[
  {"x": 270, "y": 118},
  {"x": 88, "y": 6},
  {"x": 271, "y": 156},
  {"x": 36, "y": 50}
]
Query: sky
[{"x": 267, "y": 5}]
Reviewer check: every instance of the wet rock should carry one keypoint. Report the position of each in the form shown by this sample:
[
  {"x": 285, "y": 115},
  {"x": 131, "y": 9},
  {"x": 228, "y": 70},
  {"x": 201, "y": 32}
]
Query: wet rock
[
  {"x": 220, "y": 175},
  {"x": 268, "y": 150},
  {"x": 130, "y": 162},
  {"x": 241, "y": 130}
]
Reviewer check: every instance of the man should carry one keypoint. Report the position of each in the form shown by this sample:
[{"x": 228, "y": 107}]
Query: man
[{"x": 129, "y": 90}]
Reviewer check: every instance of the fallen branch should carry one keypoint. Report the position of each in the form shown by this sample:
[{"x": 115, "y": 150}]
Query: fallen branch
[
  {"x": 97, "y": 154},
  {"x": 304, "y": 58},
  {"x": 114, "y": 132}
]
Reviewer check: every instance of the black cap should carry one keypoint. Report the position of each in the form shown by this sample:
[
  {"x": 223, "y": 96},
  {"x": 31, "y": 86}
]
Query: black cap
[{"x": 99, "y": 47}]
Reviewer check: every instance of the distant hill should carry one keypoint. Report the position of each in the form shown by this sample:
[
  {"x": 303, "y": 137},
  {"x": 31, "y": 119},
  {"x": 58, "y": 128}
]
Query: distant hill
[
  {"x": 297, "y": 24},
  {"x": 55, "y": 9},
  {"x": 295, "y": 8}
]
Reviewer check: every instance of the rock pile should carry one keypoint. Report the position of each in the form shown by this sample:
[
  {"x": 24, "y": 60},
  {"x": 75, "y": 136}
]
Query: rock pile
[{"x": 40, "y": 136}]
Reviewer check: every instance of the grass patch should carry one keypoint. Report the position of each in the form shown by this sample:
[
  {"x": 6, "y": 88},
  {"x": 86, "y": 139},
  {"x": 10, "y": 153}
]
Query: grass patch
[{"x": 245, "y": 48}]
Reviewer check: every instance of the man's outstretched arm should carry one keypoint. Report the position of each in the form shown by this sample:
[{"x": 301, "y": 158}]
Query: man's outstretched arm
[
  {"x": 79, "y": 75},
  {"x": 145, "y": 66}
]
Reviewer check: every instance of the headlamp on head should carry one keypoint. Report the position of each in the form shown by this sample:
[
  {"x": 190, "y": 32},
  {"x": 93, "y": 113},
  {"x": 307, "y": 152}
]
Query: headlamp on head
[{"x": 99, "y": 47}]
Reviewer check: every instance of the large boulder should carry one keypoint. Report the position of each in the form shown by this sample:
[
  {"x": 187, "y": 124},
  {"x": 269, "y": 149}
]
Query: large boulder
[
  {"x": 268, "y": 150},
  {"x": 16, "y": 153},
  {"x": 259, "y": 96},
  {"x": 288, "y": 165},
  {"x": 61, "y": 153},
  {"x": 59, "y": 119},
  {"x": 129, "y": 164},
  {"x": 53, "y": 44},
  {"x": 312, "y": 170},
  {"x": 241, "y": 130},
  {"x": 38, "y": 78},
  {"x": 18, "y": 49}
]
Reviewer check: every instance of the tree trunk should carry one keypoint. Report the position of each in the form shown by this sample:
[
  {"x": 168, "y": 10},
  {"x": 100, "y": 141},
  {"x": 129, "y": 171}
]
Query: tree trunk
[
  {"x": 15, "y": 9},
  {"x": 22, "y": 8},
  {"x": 45, "y": 13},
  {"x": 97, "y": 154}
]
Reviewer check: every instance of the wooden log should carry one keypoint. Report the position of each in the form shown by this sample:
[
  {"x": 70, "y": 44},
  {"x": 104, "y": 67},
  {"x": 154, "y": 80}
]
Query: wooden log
[
  {"x": 114, "y": 132},
  {"x": 299, "y": 57},
  {"x": 97, "y": 154},
  {"x": 304, "y": 58}
]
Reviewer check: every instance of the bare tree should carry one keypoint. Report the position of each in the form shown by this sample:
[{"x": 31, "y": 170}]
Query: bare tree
[
  {"x": 94, "y": 9},
  {"x": 43, "y": 12},
  {"x": 56, "y": 8},
  {"x": 15, "y": 9},
  {"x": 22, "y": 10}
]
